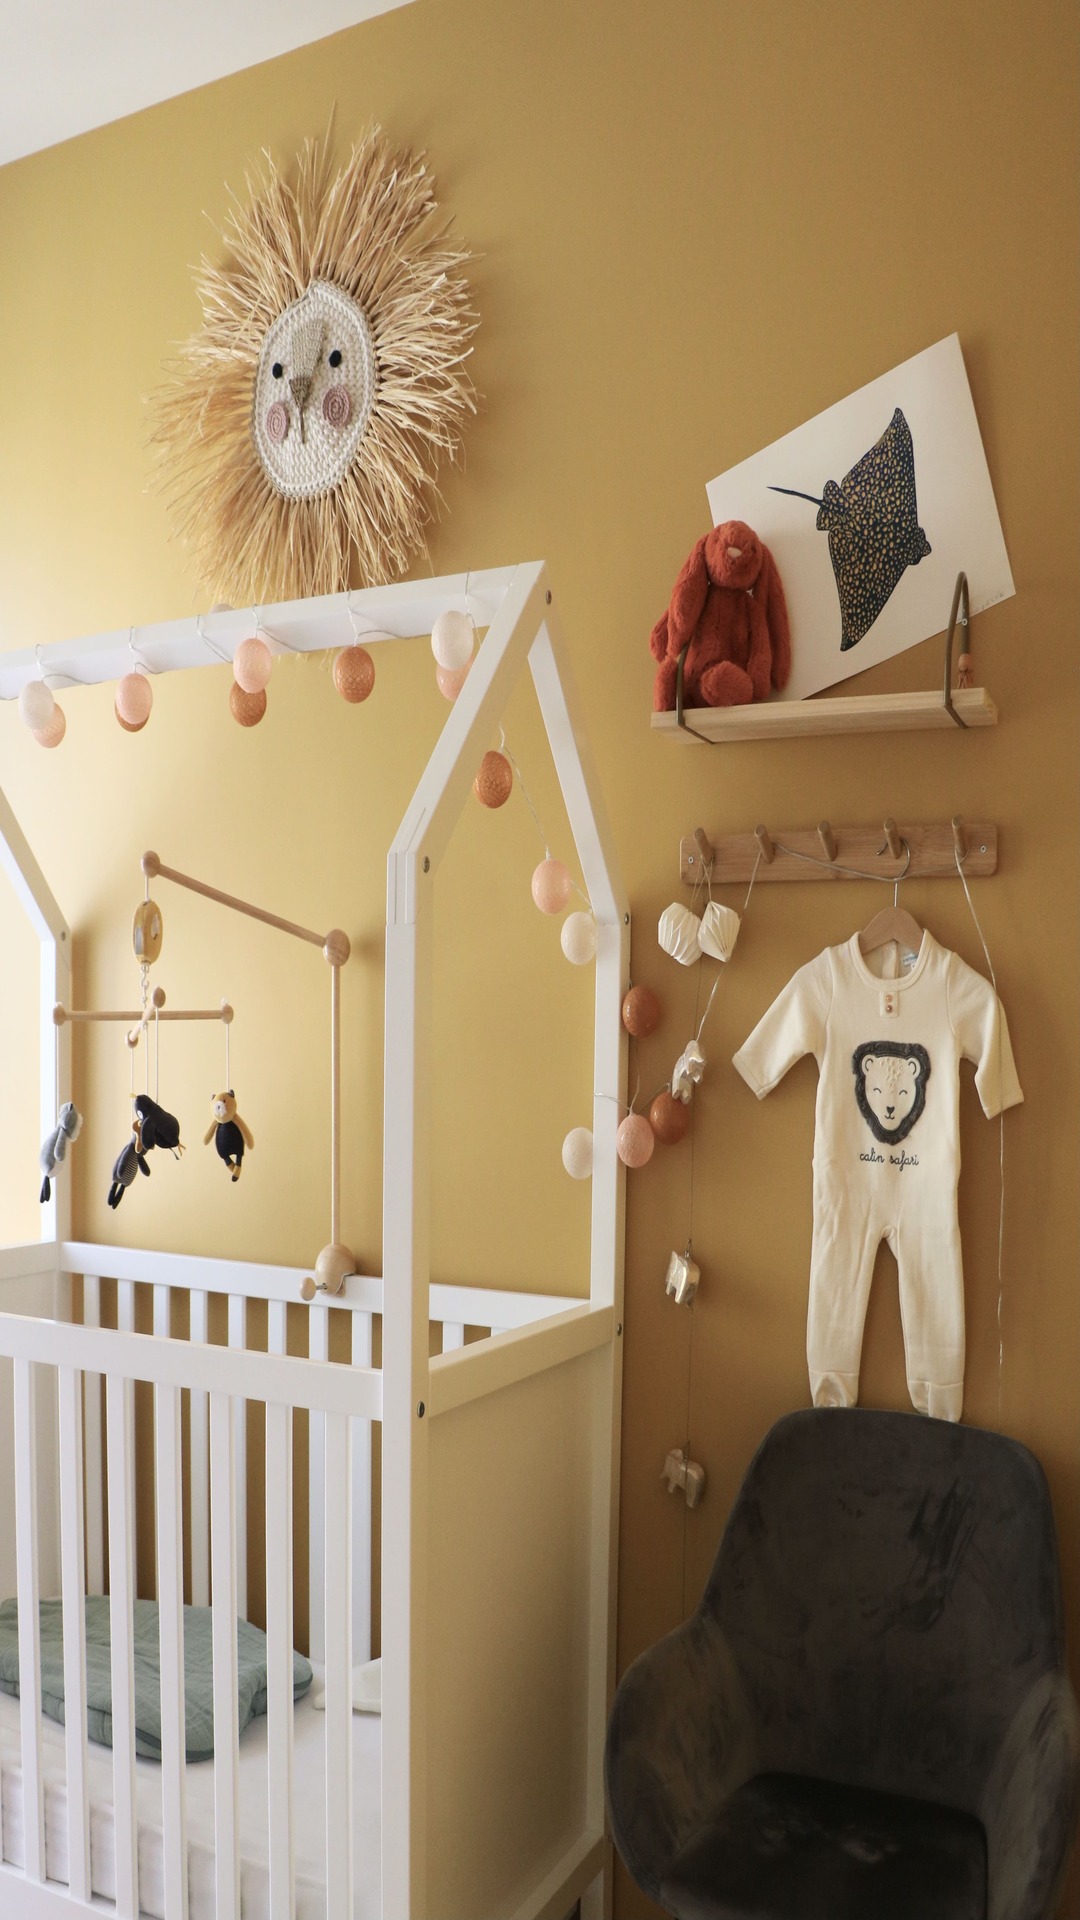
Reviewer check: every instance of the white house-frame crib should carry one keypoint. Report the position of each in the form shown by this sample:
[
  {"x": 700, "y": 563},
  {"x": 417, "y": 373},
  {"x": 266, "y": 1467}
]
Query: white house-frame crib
[{"x": 499, "y": 1475}]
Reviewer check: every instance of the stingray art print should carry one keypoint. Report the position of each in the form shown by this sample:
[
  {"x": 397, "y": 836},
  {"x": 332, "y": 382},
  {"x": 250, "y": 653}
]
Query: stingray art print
[{"x": 895, "y": 476}]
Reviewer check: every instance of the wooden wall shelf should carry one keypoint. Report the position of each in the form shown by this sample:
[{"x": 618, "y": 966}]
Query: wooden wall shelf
[{"x": 851, "y": 713}]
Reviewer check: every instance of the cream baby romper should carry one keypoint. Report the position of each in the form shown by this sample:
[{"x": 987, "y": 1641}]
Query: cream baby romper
[{"x": 888, "y": 1032}]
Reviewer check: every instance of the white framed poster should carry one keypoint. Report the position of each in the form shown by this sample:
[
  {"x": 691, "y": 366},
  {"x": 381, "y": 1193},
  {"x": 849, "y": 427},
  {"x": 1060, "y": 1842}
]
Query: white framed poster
[{"x": 871, "y": 510}]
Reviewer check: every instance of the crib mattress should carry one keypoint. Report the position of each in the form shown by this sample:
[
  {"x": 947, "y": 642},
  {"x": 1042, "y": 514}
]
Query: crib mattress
[{"x": 309, "y": 1775}]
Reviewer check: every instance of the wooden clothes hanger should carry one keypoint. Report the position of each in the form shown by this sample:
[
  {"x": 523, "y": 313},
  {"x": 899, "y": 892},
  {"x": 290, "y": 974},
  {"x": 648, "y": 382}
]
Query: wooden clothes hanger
[{"x": 895, "y": 922}]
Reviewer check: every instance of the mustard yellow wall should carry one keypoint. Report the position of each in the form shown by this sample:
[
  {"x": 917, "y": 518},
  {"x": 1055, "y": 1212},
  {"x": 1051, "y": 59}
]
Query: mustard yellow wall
[{"x": 699, "y": 224}]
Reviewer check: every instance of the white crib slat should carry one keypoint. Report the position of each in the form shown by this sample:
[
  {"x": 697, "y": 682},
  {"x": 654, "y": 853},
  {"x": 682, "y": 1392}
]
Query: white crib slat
[
  {"x": 69, "y": 1385},
  {"x": 162, "y": 1327},
  {"x": 339, "y": 1836},
  {"x": 170, "y": 1586},
  {"x": 226, "y": 1705},
  {"x": 318, "y": 1349},
  {"x": 277, "y": 1326},
  {"x": 453, "y": 1335},
  {"x": 26, "y": 1574},
  {"x": 238, "y": 1339},
  {"x": 95, "y": 1502},
  {"x": 119, "y": 1427},
  {"x": 200, "y": 1464},
  {"x": 279, "y": 1636},
  {"x": 361, "y": 1502},
  {"x": 125, "y": 1305}
]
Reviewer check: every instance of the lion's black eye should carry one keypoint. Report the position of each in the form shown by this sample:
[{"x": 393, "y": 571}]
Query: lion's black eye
[
  {"x": 277, "y": 369},
  {"x": 335, "y": 357}
]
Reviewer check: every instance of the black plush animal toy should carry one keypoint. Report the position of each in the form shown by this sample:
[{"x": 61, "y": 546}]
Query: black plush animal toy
[
  {"x": 229, "y": 1133},
  {"x": 155, "y": 1127},
  {"x": 129, "y": 1161}
]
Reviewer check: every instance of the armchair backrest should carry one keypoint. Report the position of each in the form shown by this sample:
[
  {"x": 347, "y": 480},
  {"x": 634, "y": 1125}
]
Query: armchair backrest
[{"x": 889, "y": 1587}]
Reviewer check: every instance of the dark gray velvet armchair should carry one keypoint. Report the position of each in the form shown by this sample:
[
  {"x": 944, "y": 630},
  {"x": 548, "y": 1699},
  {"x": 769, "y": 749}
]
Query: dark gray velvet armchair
[{"x": 868, "y": 1716}]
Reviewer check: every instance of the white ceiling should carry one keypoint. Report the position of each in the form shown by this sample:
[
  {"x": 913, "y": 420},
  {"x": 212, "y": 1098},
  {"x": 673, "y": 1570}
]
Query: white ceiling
[{"x": 69, "y": 65}]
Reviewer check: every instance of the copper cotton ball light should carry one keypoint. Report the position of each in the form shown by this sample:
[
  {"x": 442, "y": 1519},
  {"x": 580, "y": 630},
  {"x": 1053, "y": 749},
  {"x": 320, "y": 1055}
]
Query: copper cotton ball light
[
  {"x": 641, "y": 1012},
  {"x": 35, "y": 705},
  {"x": 453, "y": 638},
  {"x": 134, "y": 699},
  {"x": 668, "y": 1119},
  {"x": 253, "y": 664},
  {"x": 635, "y": 1140},
  {"x": 354, "y": 674},
  {"x": 494, "y": 782},
  {"x": 551, "y": 886},
  {"x": 246, "y": 708},
  {"x": 51, "y": 734}
]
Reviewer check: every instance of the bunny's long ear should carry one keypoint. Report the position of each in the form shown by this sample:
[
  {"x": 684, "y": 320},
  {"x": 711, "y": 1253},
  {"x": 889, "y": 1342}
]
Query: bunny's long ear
[
  {"x": 769, "y": 593},
  {"x": 687, "y": 598}
]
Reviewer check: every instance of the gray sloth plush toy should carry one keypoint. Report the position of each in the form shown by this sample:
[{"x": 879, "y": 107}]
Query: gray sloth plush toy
[{"x": 55, "y": 1146}]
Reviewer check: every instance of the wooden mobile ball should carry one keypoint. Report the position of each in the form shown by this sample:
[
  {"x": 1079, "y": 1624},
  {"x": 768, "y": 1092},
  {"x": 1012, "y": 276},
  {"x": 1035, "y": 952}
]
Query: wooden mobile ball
[
  {"x": 668, "y": 1119},
  {"x": 354, "y": 674},
  {"x": 641, "y": 1012},
  {"x": 51, "y": 734},
  {"x": 246, "y": 708},
  {"x": 494, "y": 782},
  {"x": 253, "y": 664},
  {"x": 635, "y": 1140}
]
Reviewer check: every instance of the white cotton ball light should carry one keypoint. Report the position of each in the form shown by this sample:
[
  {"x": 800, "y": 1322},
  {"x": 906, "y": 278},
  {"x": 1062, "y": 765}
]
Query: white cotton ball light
[
  {"x": 253, "y": 664},
  {"x": 577, "y": 1153},
  {"x": 453, "y": 638},
  {"x": 578, "y": 938},
  {"x": 35, "y": 705},
  {"x": 551, "y": 886}
]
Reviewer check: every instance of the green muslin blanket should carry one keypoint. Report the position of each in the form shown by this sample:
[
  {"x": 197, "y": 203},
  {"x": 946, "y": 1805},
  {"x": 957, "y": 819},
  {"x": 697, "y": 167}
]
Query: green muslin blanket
[{"x": 198, "y": 1672}]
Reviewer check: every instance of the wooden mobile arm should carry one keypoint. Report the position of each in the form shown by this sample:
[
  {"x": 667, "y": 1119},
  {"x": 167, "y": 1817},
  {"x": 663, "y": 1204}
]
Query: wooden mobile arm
[
  {"x": 335, "y": 944},
  {"x": 154, "y": 1011}
]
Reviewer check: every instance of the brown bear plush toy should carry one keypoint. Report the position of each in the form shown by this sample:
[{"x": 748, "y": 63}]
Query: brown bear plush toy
[{"x": 729, "y": 604}]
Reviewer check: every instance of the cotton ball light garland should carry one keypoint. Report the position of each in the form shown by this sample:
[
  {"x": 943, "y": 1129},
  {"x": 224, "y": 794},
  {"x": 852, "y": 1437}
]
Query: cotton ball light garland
[
  {"x": 450, "y": 680},
  {"x": 453, "y": 638},
  {"x": 669, "y": 1119},
  {"x": 577, "y": 1153},
  {"x": 635, "y": 1140},
  {"x": 551, "y": 886},
  {"x": 494, "y": 782},
  {"x": 51, "y": 734},
  {"x": 246, "y": 708},
  {"x": 35, "y": 705},
  {"x": 354, "y": 674},
  {"x": 134, "y": 699},
  {"x": 253, "y": 664},
  {"x": 578, "y": 938},
  {"x": 641, "y": 1011}
]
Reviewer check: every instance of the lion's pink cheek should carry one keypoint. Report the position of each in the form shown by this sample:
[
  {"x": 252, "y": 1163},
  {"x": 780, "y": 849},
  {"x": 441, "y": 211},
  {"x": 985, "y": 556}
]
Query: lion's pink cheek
[
  {"x": 277, "y": 422},
  {"x": 337, "y": 406}
]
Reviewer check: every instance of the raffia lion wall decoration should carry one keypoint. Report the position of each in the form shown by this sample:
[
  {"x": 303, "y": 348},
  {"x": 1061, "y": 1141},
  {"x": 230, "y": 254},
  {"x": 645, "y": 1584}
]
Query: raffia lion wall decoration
[{"x": 302, "y": 425}]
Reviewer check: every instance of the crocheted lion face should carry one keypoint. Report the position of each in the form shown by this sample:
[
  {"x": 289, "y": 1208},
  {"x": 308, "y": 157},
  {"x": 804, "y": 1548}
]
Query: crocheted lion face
[{"x": 890, "y": 1086}]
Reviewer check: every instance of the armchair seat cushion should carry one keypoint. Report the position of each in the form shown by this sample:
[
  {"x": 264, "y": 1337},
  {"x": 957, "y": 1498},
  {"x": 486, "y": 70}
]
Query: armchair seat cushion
[{"x": 785, "y": 1847}]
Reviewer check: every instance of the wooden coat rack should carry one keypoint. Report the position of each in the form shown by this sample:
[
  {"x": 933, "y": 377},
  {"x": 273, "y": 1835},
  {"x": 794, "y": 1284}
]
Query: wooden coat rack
[{"x": 889, "y": 852}]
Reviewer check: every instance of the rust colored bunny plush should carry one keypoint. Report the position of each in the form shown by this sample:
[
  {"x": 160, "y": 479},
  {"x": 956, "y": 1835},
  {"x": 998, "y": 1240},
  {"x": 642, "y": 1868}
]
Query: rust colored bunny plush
[{"x": 728, "y": 603}]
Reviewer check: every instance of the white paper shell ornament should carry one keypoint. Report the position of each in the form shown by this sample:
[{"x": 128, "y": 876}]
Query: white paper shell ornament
[
  {"x": 578, "y": 938},
  {"x": 683, "y": 1278},
  {"x": 577, "y": 1153},
  {"x": 719, "y": 931},
  {"x": 453, "y": 638},
  {"x": 679, "y": 933},
  {"x": 35, "y": 705},
  {"x": 689, "y": 1068}
]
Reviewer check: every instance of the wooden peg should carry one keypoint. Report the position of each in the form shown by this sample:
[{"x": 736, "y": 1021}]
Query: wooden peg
[
  {"x": 768, "y": 851},
  {"x": 828, "y": 839},
  {"x": 896, "y": 845},
  {"x": 704, "y": 846},
  {"x": 959, "y": 836}
]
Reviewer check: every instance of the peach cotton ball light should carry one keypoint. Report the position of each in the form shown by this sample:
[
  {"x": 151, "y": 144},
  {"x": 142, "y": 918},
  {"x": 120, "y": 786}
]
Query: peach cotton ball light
[
  {"x": 577, "y": 1153},
  {"x": 453, "y": 638},
  {"x": 134, "y": 699},
  {"x": 354, "y": 674},
  {"x": 551, "y": 886},
  {"x": 450, "y": 680},
  {"x": 51, "y": 734},
  {"x": 635, "y": 1140},
  {"x": 253, "y": 664},
  {"x": 578, "y": 938},
  {"x": 35, "y": 705},
  {"x": 494, "y": 782}
]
